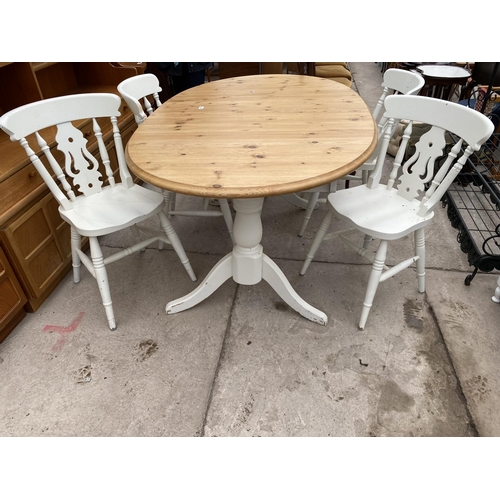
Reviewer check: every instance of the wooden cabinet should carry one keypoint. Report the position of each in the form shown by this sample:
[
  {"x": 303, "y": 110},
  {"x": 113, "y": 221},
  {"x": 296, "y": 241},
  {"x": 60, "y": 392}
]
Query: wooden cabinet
[
  {"x": 35, "y": 239},
  {"x": 12, "y": 298},
  {"x": 37, "y": 244}
]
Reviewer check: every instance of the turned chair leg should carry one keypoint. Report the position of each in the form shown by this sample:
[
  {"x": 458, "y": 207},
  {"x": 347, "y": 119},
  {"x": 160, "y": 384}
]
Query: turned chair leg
[
  {"x": 496, "y": 297},
  {"x": 137, "y": 235},
  {"x": 420, "y": 253},
  {"x": 167, "y": 196},
  {"x": 176, "y": 244},
  {"x": 366, "y": 242},
  {"x": 313, "y": 199},
  {"x": 320, "y": 235},
  {"x": 228, "y": 218},
  {"x": 76, "y": 244},
  {"x": 373, "y": 281},
  {"x": 101, "y": 277},
  {"x": 172, "y": 201}
]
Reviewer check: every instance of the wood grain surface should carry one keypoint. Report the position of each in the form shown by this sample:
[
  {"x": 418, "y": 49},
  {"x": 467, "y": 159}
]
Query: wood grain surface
[{"x": 253, "y": 136}]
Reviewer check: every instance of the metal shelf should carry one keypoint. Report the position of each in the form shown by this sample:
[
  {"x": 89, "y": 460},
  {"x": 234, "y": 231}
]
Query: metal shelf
[{"x": 473, "y": 207}]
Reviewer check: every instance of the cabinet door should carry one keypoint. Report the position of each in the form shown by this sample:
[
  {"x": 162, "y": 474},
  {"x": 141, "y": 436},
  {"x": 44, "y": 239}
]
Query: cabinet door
[
  {"x": 38, "y": 246},
  {"x": 12, "y": 298}
]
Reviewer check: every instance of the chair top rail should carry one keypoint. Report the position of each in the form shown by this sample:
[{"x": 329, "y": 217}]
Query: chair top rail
[
  {"x": 36, "y": 116},
  {"x": 472, "y": 126}
]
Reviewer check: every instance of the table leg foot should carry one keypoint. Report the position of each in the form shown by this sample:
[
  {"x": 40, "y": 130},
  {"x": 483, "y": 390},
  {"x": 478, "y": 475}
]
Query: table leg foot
[
  {"x": 280, "y": 284},
  {"x": 220, "y": 273}
]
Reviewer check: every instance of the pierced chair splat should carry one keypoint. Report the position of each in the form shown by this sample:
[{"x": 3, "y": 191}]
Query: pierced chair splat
[
  {"x": 396, "y": 81},
  {"x": 405, "y": 204},
  {"x": 90, "y": 200},
  {"x": 146, "y": 88}
]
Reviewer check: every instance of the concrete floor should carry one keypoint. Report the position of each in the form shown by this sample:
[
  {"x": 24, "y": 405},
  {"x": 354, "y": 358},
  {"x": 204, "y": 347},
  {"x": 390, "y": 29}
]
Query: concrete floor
[{"x": 242, "y": 363}]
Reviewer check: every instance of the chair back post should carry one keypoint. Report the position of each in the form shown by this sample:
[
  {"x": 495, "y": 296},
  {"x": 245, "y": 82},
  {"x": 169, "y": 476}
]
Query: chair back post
[
  {"x": 398, "y": 160},
  {"x": 125, "y": 176},
  {"x": 437, "y": 191},
  {"x": 383, "y": 143},
  {"x": 45, "y": 175}
]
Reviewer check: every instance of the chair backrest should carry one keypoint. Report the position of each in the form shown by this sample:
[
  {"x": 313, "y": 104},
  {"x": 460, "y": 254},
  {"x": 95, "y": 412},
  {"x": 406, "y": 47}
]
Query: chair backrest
[
  {"x": 139, "y": 87},
  {"x": 417, "y": 178},
  {"x": 398, "y": 81},
  {"x": 77, "y": 169}
]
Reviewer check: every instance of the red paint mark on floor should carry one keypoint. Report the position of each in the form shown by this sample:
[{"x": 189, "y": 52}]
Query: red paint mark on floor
[{"x": 62, "y": 331}]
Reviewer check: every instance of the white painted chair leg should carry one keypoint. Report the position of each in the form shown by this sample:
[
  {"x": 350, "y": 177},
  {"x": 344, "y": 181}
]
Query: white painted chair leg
[
  {"x": 167, "y": 196},
  {"x": 137, "y": 235},
  {"x": 496, "y": 297},
  {"x": 364, "y": 176},
  {"x": 219, "y": 274},
  {"x": 280, "y": 284},
  {"x": 76, "y": 244},
  {"x": 205, "y": 203},
  {"x": 295, "y": 200},
  {"x": 172, "y": 201},
  {"x": 366, "y": 242},
  {"x": 323, "y": 228},
  {"x": 101, "y": 277},
  {"x": 373, "y": 281},
  {"x": 313, "y": 199},
  {"x": 420, "y": 253},
  {"x": 176, "y": 244},
  {"x": 135, "y": 232},
  {"x": 228, "y": 218}
]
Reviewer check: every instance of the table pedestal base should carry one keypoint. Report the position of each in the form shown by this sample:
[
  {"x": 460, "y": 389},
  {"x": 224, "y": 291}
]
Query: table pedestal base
[{"x": 248, "y": 265}]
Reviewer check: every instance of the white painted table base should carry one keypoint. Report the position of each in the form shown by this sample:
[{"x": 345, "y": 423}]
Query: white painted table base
[{"x": 248, "y": 265}]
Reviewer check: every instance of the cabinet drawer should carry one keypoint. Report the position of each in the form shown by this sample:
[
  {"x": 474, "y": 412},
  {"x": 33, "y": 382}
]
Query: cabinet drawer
[{"x": 26, "y": 184}]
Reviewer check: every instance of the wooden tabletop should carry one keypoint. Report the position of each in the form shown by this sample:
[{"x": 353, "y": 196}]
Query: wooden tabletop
[{"x": 253, "y": 136}]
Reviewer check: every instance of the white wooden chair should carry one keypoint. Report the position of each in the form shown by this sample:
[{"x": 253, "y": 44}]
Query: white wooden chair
[
  {"x": 396, "y": 81},
  {"x": 91, "y": 208},
  {"x": 145, "y": 88},
  {"x": 405, "y": 204}
]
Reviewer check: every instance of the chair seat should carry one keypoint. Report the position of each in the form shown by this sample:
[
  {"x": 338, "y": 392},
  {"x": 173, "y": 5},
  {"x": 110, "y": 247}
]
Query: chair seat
[
  {"x": 343, "y": 81},
  {"x": 381, "y": 214},
  {"x": 330, "y": 63},
  {"x": 333, "y": 71},
  {"x": 112, "y": 209}
]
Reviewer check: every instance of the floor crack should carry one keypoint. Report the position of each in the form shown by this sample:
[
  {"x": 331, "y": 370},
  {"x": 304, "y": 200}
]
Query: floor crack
[
  {"x": 219, "y": 361},
  {"x": 460, "y": 391}
]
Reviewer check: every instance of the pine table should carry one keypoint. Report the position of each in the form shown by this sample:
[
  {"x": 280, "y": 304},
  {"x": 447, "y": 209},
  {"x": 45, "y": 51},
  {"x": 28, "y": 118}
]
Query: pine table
[{"x": 247, "y": 138}]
